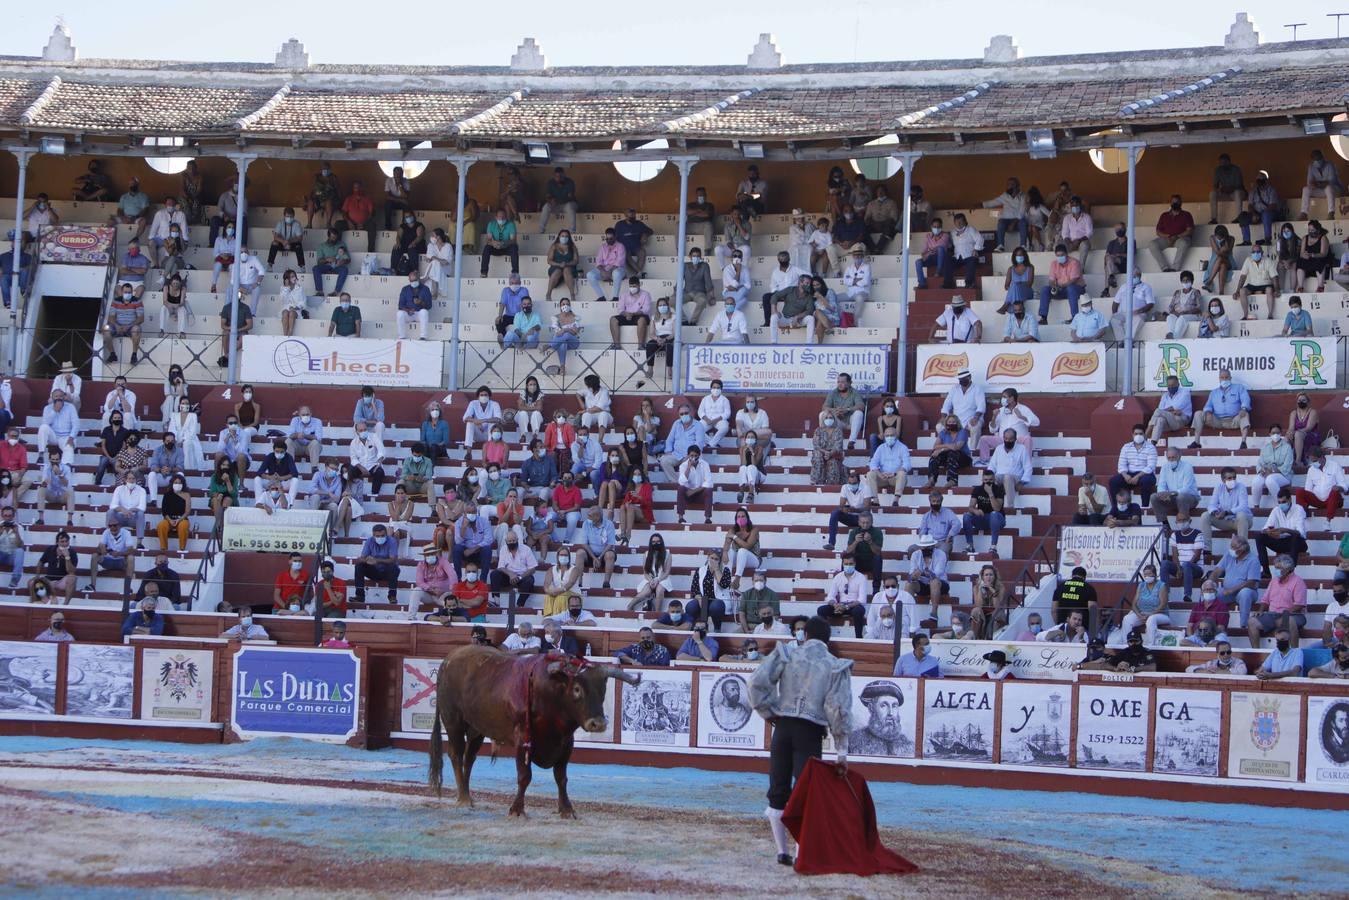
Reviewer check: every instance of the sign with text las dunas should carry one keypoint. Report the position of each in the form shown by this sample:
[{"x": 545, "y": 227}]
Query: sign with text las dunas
[
  {"x": 1112, "y": 727},
  {"x": 284, "y": 531},
  {"x": 1054, "y": 368},
  {"x": 1108, "y": 554},
  {"x": 1261, "y": 364},
  {"x": 783, "y": 368},
  {"x": 1265, "y": 736},
  {"x": 177, "y": 685},
  {"x": 343, "y": 362},
  {"x": 1041, "y": 660},
  {"x": 312, "y": 694}
]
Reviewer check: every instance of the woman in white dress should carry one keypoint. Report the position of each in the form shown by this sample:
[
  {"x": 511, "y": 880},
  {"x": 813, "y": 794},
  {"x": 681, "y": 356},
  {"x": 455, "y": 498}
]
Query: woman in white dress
[
  {"x": 175, "y": 389},
  {"x": 292, "y": 301},
  {"x": 187, "y": 429},
  {"x": 798, "y": 240},
  {"x": 529, "y": 417},
  {"x": 438, "y": 261}
]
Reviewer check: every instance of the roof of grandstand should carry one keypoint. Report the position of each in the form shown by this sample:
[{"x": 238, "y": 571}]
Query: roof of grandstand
[{"x": 1185, "y": 95}]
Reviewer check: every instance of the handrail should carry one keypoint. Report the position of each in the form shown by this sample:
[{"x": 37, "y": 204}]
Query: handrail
[
  {"x": 207, "y": 557},
  {"x": 321, "y": 552},
  {"x": 1027, "y": 580}
]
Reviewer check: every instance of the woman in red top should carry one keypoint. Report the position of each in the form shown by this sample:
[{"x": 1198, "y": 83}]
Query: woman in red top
[
  {"x": 558, "y": 438},
  {"x": 636, "y": 503},
  {"x": 567, "y": 502}
]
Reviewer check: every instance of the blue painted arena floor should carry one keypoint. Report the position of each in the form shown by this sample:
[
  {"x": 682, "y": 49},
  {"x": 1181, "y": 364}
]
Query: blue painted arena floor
[{"x": 1203, "y": 845}]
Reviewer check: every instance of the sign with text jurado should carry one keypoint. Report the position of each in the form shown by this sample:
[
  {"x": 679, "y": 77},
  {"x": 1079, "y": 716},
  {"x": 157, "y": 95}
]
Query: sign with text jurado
[
  {"x": 782, "y": 368},
  {"x": 1054, "y": 368},
  {"x": 344, "y": 362},
  {"x": 1261, "y": 364},
  {"x": 311, "y": 694}
]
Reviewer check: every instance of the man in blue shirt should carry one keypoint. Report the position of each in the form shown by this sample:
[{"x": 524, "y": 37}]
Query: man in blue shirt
[
  {"x": 918, "y": 663},
  {"x": 686, "y": 432},
  {"x": 632, "y": 233},
  {"x": 414, "y": 305},
  {"x": 378, "y": 562},
  {"x": 599, "y": 544},
  {"x": 1174, "y": 411},
  {"x": 1088, "y": 324},
  {"x": 939, "y": 522},
  {"x": 60, "y": 426},
  {"x": 524, "y": 330},
  {"x": 472, "y": 541},
  {"x": 1230, "y": 508},
  {"x": 370, "y": 411},
  {"x": 1284, "y": 661},
  {"x": 1228, "y": 406},
  {"x": 304, "y": 435},
  {"x": 889, "y": 466},
  {"x": 698, "y": 647},
  {"x": 278, "y": 468},
  {"x": 1177, "y": 493},
  {"x": 587, "y": 455},
  {"x": 646, "y": 652},
  {"x": 539, "y": 472},
  {"x": 1238, "y": 574},
  {"x": 145, "y": 620},
  {"x": 512, "y": 298}
]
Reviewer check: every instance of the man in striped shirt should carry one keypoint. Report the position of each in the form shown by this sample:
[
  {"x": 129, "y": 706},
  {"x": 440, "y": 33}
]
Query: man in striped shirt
[{"x": 1137, "y": 466}]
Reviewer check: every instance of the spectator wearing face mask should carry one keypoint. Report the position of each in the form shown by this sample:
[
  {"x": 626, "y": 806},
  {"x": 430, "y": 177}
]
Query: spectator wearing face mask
[
  {"x": 698, "y": 288},
  {"x": 847, "y": 596},
  {"x": 756, "y": 601},
  {"x": 675, "y": 618},
  {"x": 1284, "y": 661},
  {"x": 435, "y": 577},
  {"x": 1285, "y": 531},
  {"x": 472, "y": 541},
  {"x": 480, "y": 416},
  {"x": 515, "y": 570},
  {"x": 56, "y": 631},
  {"x": 645, "y": 652},
  {"x": 1137, "y": 466},
  {"x": 377, "y": 561},
  {"x": 287, "y": 235},
  {"x": 895, "y": 604},
  {"x": 414, "y": 305},
  {"x": 610, "y": 266},
  {"x": 410, "y": 243},
  {"x": 918, "y": 663},
  {"x": 289, "y": 587},
  {"x": 346, "y": 318},
  {"x": 175, "y": 506},
  {"x": 698, "y": 647},
  {"x": 702, "y": 217}
]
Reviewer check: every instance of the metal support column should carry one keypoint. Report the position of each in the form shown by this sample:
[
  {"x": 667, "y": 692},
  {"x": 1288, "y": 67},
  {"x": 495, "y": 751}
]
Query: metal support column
[
  {"x": 685, "y": 164},
  {"x": 232, "y": 352},
  {"x": 1129, "y": 263},
  {"x": 461, "y": 166},
  {"x": 22, "y": 156},
  {"x": 908, "y": 160}
]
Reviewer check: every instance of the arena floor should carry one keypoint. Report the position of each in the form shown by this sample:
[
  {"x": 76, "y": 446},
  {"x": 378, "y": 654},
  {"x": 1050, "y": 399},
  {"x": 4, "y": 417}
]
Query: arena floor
[{"x": 281, "y": 817}]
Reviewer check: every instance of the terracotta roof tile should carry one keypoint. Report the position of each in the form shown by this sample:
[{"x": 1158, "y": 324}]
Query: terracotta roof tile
[
  {"x": 581, "y": 114},
  {"x": 142, "y": 108},
  {"x": 17, "y": 95},
  {"x": 355, "y": 113},
  {"x": 1270, "y": 90},
  {"x": 783, "y": 113},
  {"x": 1022, "y": 103}
]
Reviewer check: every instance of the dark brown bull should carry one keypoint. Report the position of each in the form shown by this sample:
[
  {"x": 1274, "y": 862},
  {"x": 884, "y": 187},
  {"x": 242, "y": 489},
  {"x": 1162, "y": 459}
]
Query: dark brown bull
[{"x": 531, "y": 703}]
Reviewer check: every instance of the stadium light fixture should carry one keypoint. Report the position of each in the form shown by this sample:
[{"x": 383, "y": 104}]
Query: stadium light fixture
[
  {"x": 752, "y": 151},
  {"x": 541, "y": 154},
  {"x": 52, "y": 146},
  {"x": 1040, "y": 141},
  {"x": 1313, "y": 125}
]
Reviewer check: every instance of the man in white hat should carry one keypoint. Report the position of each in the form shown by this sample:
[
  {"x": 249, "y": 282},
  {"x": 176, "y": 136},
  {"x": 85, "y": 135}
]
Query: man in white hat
[
  {"x": 962, "y": 326},
  {"x": 857, "y": 277},
  {"x": 965, "y": 400},
  {"x": 68, "y": 383},
  {"x": 927, "y": 572}
]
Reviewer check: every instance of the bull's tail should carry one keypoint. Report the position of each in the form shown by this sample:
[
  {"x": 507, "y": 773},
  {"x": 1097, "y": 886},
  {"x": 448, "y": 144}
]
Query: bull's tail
[{"x": 436, "y": 763}]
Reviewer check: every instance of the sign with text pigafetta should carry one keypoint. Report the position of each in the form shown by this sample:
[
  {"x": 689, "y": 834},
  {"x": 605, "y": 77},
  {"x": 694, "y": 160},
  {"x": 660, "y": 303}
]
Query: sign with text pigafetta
[
  {"x": 1187, "y": 732},
  {"x": 1261, "y": 364},
  {"x": 1112, "y": 727},
  {"x": 77, "y": 245},
  {"x": 274, "y": 359},
  {"x": 1052, "y": 368},
  {"x": 1027, "y": 659},
  {"x": 785, "y": 368},
  {"x": 1108, "y": 554},
  {"x": 283, "y": 531},
  {"x": 1264, "y": 736},
  {"x": 297, "y": 693},
  {"x": 725, "y": 719}
]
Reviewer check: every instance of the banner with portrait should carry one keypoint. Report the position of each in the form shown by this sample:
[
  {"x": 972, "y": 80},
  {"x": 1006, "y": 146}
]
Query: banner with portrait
[
  {"x": 725, "y": 719},
  {"x": 1112, "y": 727},
  {"x": 958, "y": 720},
  {"x": 1036, "y": 724},
  {"x": 884, "y": 717},
  {"x": 177, "y": 685},
  {"x": 1187, "y": 732},
  {"x": 1265, "y": 736},
  {"x": 1328, "y": 742},
  {"x": 659, "y": 711},
  {"x": 100, "y": 680}
]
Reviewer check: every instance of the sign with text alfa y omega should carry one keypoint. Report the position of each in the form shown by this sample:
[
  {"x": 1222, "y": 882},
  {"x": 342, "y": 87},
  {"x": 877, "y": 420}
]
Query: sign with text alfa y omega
[
  {"x": 287, "y": 692},
  {"x": 342, "y": 362}
]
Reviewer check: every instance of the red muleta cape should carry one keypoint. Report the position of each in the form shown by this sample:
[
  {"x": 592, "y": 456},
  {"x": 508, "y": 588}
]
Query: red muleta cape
[{"x": 834, "y": 822}]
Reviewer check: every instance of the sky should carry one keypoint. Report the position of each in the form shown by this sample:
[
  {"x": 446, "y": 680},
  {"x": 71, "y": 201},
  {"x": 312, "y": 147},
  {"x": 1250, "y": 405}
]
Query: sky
[{"x": 655, "y": 33}]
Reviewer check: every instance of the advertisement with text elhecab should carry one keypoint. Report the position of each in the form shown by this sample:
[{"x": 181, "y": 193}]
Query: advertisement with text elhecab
[{"x": 300, "y": 693}]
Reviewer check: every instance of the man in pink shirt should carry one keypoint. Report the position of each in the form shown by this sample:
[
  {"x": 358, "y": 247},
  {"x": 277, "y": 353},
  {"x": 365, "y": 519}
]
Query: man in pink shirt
[
  {"x": 634, "y": 308},
  {"x": 1286, "y": 597},
  {"x": 1065, "y": 280},
  {"x": 610, "y": 265},
  {"x": 935, "y": 250},
  {"x": 1075, "y": 230},
  {"x": 435, "y": 576}
]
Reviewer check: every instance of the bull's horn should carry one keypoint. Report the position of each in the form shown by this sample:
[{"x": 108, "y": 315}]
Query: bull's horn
[{"x": 623, "y": 675}]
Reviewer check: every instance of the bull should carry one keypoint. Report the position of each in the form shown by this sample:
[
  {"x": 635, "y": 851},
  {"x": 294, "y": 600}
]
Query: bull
[{"x": 531, "y": 703}]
